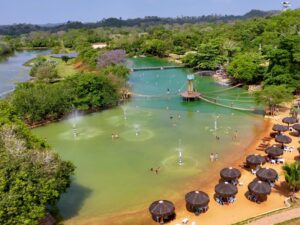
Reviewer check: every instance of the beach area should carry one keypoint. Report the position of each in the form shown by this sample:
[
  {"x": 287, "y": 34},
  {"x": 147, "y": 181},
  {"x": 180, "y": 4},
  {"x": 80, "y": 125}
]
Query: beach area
[{"x": 241, "y": 210}]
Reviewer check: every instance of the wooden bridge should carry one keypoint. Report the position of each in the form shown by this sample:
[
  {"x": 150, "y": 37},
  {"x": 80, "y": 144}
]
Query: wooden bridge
[
  {"x": 156, "y": 68},
  {"x": 226, "y": 106}
]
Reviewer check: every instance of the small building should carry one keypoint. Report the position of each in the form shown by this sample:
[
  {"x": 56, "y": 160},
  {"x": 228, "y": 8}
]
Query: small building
[{"x": 99, "y": 45}]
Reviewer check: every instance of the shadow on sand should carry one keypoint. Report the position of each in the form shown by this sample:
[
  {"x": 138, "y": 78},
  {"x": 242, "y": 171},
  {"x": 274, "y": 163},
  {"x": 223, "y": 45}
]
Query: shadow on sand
[{"x": 72, "y": 201}]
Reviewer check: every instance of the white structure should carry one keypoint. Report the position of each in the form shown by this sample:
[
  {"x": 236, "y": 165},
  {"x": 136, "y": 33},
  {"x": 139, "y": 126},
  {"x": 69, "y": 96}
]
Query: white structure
[
  {"x": 286, "y": 5},
  {"x": 99, "y": 45}
]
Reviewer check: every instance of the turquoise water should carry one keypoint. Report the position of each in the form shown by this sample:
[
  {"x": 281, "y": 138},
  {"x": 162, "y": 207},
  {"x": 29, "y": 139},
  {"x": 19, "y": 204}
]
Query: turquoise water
[{"x": 114, "y": 176}]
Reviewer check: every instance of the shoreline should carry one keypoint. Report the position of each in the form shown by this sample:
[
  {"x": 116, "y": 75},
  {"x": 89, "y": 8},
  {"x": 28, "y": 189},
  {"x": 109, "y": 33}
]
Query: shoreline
[
  {"x": 204, "y": 181},
  {"x": 242, "y": 210}
]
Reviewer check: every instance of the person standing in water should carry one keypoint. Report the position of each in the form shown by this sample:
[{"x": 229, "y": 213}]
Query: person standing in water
[
  {"x": 235, "y": 135},
  {"x": 212, "y": 157},
  {"x": 216, "y": 157}
]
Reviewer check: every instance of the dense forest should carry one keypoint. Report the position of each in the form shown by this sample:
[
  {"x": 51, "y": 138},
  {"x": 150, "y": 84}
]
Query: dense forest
[{"x": 18, "y": 29}]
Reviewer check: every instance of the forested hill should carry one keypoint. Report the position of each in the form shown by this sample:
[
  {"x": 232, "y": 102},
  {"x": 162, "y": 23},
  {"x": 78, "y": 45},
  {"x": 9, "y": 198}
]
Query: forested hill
[{"x": 18, "y": 29}]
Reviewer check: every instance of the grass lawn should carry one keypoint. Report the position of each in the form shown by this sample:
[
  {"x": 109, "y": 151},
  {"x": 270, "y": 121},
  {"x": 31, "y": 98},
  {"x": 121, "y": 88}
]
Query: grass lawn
[{"x": 63, "y": 69}]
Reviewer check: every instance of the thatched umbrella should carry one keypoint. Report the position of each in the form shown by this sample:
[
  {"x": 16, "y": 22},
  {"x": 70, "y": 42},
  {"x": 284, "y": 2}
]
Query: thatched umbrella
[
  {"x": 296, "y": 127},
  {"x": 267, "y": 174},
  {"x": 226, "y": 189},
  {"x": 259, "y": 188},
  {"x": 196, "y": 199},
  {"x": 230, "y": 173},
  {"x": 283, "y": 139},
  {"x": 161, "y": 209},
  {"x": 280, "y": 128},
  {"x": 289, "y": 120},
  {"x": 255, "y": 160},
  {"x": 274, "y": 151}
]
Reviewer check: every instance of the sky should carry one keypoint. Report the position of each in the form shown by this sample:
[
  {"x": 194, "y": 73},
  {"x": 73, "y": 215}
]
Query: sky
[{"x": 57, "y": 11}]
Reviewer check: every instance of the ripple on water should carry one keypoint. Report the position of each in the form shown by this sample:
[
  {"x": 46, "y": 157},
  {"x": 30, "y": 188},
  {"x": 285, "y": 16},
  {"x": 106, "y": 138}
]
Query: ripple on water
[
  {"x": 130, "y": 135},
  {"x": 82, "y": 134},
  {"x": 171, "y": 163}
]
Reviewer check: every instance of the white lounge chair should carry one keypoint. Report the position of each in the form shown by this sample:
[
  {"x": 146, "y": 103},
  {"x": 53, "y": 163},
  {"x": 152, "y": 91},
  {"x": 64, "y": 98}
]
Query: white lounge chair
[
  {"x": 194, "y": 223},
  {"x": 185, "y": 220}
]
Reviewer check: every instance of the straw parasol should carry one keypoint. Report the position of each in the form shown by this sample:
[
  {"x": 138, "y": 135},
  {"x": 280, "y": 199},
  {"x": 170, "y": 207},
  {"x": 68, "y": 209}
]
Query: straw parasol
[
  {"x": 280, "y": 128},
  {"x": 161, "y": 209},
  {"x": 259, "y": 188},
  {"x": 230, "y": 174},
  {"x": 267, "y": 174},
  {"x": 274, "y": 151},
  {"x": 226, "y": 189},
  {"x": 255, "y": 160},
  {"x": 296, "y": 127},
  {"x": 289, "y": 120},
  {"x": 283, "y": 139},
  {"x": 197, "y": 199}
]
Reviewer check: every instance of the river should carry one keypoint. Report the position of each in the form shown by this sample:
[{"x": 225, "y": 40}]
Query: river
[{"x": 12, "y": 70}]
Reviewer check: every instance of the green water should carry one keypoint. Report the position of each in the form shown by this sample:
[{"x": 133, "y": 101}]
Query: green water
[{"x": 114, "y": 176}]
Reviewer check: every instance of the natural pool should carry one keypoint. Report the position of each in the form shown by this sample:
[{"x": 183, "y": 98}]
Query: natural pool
[{"x": 113, "y": 176}]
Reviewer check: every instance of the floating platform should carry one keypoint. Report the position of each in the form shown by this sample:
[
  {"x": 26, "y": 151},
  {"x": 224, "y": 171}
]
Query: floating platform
[{"x": 190, "y": 96}]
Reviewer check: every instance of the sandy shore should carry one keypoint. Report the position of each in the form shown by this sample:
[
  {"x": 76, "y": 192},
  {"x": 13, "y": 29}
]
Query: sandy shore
[
  {"x": 244, "y": 208},
  {"x": 218, "y": 214}
]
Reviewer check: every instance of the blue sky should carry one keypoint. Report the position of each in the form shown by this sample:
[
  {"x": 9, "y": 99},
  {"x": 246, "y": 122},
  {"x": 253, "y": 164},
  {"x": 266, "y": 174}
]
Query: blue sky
[{"x": 55, "y": 11}]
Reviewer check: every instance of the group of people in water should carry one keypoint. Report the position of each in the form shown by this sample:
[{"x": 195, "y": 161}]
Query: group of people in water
[
  {"x": 156, "y": 171},
  {"x": 234, "y": 137},
  {"x": 214, "y": 157}
]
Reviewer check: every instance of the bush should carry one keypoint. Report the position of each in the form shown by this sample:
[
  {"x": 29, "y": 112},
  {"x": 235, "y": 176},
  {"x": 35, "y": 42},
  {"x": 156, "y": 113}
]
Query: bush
[
  {"x": 44, "y": 70},
  {"x": 111, "y": 58},
  {"x": 40, "y": 101},
  {"x": 32, "y": 177},
  {"x": 92, "y": 92}
]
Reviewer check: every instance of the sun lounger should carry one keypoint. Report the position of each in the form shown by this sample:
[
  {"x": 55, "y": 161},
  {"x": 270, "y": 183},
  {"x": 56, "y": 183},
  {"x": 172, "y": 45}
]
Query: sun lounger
[
  {"x": 280, "y": 161},
  {"x": 185, "y": 220},
  {"x": 253, "y": 171},
  {"x": 194, "y": 223}
]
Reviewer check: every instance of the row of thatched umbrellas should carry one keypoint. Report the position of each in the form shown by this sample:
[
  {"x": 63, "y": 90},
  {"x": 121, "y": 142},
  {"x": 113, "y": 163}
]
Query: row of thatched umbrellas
[
  {"x": 195, "y": 200},
  {"x": 164, "y": 210}
]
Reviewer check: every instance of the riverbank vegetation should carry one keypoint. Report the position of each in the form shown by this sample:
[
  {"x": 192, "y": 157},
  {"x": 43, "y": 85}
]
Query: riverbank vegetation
[
  {"x": 263, "y": 50},
  {"x": 256, "y": 51},
  {"x": 54, "y": 93},
  {"x": 32, "y": 177},
  {"x": 5, "y": 48}
]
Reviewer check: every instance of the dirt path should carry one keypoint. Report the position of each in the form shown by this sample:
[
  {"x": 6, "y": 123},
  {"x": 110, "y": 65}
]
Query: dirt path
[{"x": 278, "y": 218}]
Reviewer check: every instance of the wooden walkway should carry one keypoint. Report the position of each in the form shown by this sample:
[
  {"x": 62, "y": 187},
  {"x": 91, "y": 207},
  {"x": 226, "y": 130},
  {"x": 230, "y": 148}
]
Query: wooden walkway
[
  {"x": 278, "y": 218},
  {"x": 157, "y": 68}
]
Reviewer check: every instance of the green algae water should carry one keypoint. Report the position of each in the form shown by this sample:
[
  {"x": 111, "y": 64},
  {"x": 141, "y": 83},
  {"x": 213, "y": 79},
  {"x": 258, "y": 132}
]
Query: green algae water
[{"x": 114, "y": 176}]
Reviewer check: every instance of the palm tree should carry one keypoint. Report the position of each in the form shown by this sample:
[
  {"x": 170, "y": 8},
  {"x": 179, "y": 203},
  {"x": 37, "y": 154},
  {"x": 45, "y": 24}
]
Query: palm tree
[{"x": 292, "y": 175}]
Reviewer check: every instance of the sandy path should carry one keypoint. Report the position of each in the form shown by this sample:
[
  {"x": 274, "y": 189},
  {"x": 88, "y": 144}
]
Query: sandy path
[{"x": 278, "y": 218}]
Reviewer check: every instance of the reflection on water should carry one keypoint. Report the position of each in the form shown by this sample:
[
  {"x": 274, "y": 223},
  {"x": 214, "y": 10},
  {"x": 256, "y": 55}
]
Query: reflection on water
[
  {"x": 118, "y": 171},
  {"x": 12, "y": 70}
]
